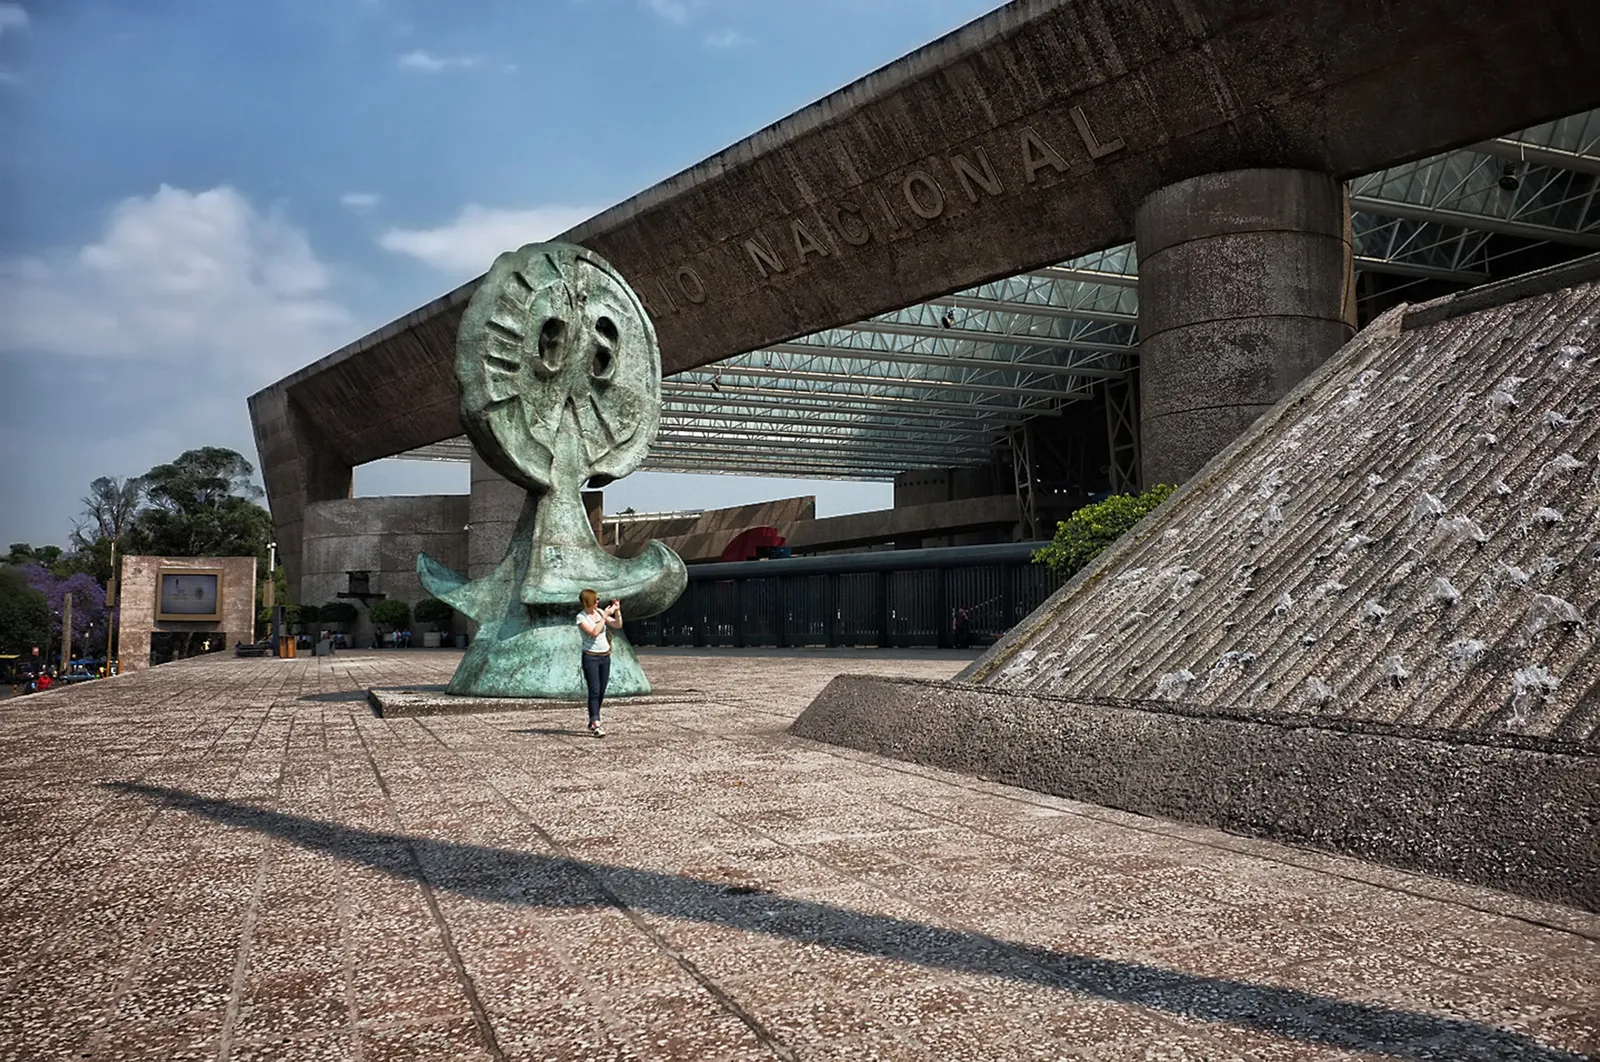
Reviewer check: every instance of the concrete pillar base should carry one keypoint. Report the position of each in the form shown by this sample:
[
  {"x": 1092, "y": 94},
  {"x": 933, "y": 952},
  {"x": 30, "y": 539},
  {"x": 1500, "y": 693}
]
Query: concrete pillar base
[{"x": 1245, "y": 287}]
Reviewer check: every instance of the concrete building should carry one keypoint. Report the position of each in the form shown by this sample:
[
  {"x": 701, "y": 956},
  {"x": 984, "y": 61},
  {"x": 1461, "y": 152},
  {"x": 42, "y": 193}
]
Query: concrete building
[
  {"x": 856, "y": 292},
  {"x": 1367, "y": 625}
]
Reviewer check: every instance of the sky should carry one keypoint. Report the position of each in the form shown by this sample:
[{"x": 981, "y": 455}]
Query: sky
[{"x": 197, "y": 198}]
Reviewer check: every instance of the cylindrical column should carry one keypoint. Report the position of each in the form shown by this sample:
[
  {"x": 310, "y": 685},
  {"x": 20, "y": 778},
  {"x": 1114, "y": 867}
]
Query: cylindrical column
[
  {"x": 1245, "y": 287},
  {"x": 493, "y": 509}
]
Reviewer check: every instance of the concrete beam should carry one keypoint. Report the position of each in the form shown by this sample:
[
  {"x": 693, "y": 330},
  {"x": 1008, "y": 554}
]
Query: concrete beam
[{"x": 1023, "y": 139}]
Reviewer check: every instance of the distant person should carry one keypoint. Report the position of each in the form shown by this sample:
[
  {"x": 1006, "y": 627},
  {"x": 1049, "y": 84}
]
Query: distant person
[
  {"x": 44, "y": 681},
  {"x": 592, "y": 622}
]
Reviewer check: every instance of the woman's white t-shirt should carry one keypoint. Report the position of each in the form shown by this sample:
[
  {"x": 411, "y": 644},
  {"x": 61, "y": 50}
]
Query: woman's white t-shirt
[{"x": 599, "y": 643}]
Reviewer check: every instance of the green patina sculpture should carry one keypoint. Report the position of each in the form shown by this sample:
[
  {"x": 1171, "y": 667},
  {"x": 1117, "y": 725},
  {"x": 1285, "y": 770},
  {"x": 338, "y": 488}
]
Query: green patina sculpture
[{"x": 560, "y": 385}]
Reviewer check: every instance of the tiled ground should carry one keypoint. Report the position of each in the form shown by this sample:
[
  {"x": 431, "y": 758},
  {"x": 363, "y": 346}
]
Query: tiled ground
[{"x": 232, "y": 859}]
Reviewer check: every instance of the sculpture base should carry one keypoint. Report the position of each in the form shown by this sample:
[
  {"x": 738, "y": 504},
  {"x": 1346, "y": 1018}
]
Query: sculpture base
[{"x": 542, "y": 659}]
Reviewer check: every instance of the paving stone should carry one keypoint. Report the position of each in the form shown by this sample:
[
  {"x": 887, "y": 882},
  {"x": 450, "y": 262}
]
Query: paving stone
[{"x": 198, "y": 861}]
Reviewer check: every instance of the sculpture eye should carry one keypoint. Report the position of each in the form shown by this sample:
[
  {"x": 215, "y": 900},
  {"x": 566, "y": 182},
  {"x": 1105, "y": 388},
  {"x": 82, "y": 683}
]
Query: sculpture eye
[
  {"x": 605, "y": 349},
  {"x": 550, "y": 341}
]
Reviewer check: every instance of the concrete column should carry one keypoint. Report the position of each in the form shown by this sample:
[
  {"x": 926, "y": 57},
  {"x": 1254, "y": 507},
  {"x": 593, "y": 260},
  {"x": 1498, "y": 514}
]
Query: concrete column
[
  {"x": 492, "y": 513},
  {"x": 1245, "y": 287}
]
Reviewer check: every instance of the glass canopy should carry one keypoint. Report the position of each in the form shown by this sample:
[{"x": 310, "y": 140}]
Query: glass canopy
[{"x": 940, "y": 383}]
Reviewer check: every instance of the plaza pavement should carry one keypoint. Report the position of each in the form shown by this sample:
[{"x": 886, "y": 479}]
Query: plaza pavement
[{"x": 234, "y": 859}]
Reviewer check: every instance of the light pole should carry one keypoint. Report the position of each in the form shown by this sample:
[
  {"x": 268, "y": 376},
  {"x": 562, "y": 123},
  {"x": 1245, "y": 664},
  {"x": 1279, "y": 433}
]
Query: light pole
[
  {"x": 272, "y": 603},
  {"x": 112, "y": 615}
]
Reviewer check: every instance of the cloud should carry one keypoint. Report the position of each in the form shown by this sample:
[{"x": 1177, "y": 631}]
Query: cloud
[
  {"x": 12, "y": 17},
  {"x": 178, "y": 277},
  {"x": 727, "y": 39},
  {"x": 674, "y": 11},
  {"x": 469, "y": 244},
  {"x": 360, "y": 200},
  {"x": 427, "y": 63}
]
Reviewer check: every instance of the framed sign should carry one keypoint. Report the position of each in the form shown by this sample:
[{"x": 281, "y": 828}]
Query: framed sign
[{"x": 189, "y": 595}]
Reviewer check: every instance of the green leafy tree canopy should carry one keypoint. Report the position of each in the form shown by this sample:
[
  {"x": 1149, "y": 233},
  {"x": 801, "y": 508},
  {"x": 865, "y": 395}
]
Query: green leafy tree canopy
[
  {"x": 203, "y": 504},
  {"x": 338, "y": 612},
  {"x": 24, "y": 614},
  {"x": 1081, "y": 537},
  {"x": 389, "y": 613},
  {"x": 432, "y": 610}
]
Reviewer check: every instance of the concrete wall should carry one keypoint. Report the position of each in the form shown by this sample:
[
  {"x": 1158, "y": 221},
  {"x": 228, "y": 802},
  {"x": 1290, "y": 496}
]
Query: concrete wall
[
  {"x": 139, "y": 582},
  {"x": 1519, "y": 814},
  {"x": 382, "y": 536}
]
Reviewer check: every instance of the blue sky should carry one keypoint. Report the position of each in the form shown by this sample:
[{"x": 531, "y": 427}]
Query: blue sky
[{"x": 197, "y": 197}]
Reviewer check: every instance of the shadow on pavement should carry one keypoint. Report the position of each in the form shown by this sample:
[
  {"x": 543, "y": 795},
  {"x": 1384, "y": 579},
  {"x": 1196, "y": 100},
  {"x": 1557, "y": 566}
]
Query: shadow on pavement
[
  {"x": 548, "y": 881},
  {"x": 335, "y": 698}
]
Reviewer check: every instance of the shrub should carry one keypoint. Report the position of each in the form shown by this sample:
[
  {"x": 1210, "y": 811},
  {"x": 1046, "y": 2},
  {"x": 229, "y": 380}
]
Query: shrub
[
  {"x": 389, "y": 613},
  {"x": 307, "y": 615},
  {"x": 1081, "y": 537},
  {"x": 432, "y": 610},
  {"x": 337, "y": 612}
]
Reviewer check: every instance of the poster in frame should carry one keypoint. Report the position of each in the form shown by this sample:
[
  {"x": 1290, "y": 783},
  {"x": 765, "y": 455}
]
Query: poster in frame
[{"x": 189, "y": 595}]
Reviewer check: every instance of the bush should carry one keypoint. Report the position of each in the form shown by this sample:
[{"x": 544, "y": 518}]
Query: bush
[
  {"x": 307, "y": 615},
  {"x": 432, "y": 610},
  {"x": 338, "y": 612},
  {"x": 389, "y": 613},
  {"x": 1081, "y": 537}
]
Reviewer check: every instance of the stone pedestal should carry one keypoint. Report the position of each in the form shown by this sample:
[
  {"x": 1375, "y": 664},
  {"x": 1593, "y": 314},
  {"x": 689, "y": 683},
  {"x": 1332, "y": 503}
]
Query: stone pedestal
[{"x": 1245, "y": 287}]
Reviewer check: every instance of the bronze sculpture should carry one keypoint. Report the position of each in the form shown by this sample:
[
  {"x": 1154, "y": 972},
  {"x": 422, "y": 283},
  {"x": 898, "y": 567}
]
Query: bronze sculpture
[{"x": 560, "y": 385}]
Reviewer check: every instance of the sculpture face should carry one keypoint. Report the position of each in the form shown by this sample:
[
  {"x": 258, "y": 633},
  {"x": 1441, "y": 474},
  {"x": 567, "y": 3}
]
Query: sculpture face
[{"x": 556, "y": 349}]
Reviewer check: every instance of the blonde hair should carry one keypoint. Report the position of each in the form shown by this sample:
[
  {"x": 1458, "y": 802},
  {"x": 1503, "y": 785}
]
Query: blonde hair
[{"x": 588, "y": 598}]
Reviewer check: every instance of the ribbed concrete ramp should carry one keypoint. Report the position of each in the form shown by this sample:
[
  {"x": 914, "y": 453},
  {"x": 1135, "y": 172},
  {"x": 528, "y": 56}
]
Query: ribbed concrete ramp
[
  {"x": 1369, "y": 625},
  {"x": 1413, "y": 537}
]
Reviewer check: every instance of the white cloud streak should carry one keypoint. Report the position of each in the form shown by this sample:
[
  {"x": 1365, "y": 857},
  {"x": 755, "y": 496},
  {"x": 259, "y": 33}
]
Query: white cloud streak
[
  {"x": 178, "y": 277},
  {"x": 12, "y": 17},
  {"x": 673, "y": 11},
  {"x": 422, "y": 62},
  {"x": 468, "y": 245},
  {"x": 360, "y": 200},
  {"x": 728, "y": 39}
]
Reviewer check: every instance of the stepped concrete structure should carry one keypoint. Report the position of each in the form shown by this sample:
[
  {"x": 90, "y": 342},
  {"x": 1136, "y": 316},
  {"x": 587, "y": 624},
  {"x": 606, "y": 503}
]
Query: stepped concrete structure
[{"x": 1369, "y": 624}]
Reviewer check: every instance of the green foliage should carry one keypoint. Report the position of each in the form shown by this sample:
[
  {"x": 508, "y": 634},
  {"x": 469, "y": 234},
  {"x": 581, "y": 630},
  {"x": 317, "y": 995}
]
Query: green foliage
[
  {"x": 1081, "y": 537},
  {"x": 432, "y": 610},
  {"x": 291, "y": 617},
  {"x": 309, "y": 615},
  {"x": 340, "y": 613},
  {"x": 389, "y": 613},
  {"x": 201, "y": 504},
  {"x": 49, "y": 557},
  {"x": 24, "y": 614}
]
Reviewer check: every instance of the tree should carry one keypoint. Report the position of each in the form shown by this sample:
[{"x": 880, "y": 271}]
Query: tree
[
  {"x": 307, "y": 615},
  {"x": 433, "y": 611},
  {"x": 109, "y": 512},
  {"x": 203, "y": 504},
  {"x": 389, "y": 613},
  {"x": 24, "y": 614},
  {"x": 22, "y": 554},
  {"x": 1081, "y": 537},
  {"x": 88, "y": 602},
  {"x": 341, "y": 613}
]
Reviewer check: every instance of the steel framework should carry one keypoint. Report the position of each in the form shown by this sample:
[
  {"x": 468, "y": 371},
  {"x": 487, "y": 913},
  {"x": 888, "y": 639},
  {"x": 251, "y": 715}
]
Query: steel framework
[{"x": 951, "y": 380}]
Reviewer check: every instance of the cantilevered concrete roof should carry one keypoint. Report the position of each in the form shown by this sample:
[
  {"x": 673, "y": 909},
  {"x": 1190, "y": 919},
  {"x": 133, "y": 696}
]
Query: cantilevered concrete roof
[
  {"x": 1411, "y": 537},
  {"x": 1023, "y": 139}
]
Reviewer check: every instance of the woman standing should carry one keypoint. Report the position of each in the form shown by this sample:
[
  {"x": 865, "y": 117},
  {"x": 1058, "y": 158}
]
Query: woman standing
[{"x": 597, "y": 650}]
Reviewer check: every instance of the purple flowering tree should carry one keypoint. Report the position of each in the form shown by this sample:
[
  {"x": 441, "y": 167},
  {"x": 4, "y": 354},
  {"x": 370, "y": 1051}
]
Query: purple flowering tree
[{"x": 88, "y": 603}]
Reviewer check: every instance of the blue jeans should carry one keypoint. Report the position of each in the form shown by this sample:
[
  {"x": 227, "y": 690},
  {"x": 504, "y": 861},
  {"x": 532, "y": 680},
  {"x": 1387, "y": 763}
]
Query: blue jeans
[{"x": 596, "y": 673}]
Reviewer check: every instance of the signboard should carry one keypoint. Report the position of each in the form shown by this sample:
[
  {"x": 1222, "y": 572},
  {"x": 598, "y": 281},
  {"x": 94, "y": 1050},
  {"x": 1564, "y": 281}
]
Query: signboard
[{"x": 189, "y": 595}]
